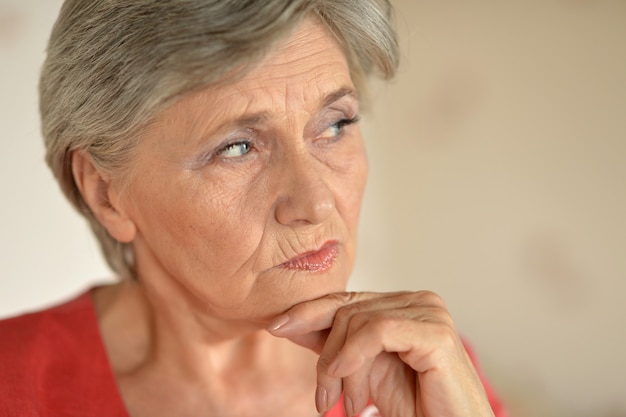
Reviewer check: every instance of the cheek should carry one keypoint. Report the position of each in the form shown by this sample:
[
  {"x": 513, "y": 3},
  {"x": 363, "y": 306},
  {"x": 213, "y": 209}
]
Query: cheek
[
  {"x": 225, "y": 230},
  {"x": 352, "y": 187},
  {"x": 194, "y": 228}
]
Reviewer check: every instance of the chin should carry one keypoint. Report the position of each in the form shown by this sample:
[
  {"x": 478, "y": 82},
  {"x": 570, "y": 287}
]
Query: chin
[
  {"x": 318, "y": 289},
  {"x": 289, "y": 288}
]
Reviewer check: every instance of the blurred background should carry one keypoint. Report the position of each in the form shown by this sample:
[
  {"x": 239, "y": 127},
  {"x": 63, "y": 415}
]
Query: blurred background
[{"x": 498, "y": 179}]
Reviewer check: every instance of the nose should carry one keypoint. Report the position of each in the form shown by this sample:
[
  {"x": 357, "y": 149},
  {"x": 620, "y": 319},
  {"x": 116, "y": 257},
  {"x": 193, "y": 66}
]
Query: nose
[{"x": 304, "y": 196}]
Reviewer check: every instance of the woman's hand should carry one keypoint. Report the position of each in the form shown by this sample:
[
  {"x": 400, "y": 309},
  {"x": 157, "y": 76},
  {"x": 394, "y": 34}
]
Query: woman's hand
[{"x": 401, "y": 350}]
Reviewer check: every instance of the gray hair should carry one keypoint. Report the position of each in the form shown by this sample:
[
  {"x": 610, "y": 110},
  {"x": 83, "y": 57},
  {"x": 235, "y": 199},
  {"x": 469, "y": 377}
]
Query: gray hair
[{"x": 113, "y": 65}]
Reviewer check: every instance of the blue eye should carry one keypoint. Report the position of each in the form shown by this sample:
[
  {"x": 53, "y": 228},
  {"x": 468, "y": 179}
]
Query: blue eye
[
  {"x": 236, "y": 149},
  {"x": 336, "y": 129}
]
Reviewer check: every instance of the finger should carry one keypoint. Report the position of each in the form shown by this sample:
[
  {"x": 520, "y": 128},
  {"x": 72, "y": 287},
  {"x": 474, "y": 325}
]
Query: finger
[
  {"x": 315, "y": 315},
  {"x": 320, "y": 313},
  {"x": 378, "y": 316},
  {"x": 348, "y": 314},
  {"x": 314, "y": 341},
  {"x": 422, "y": 344},
  {"x": 307, "y": 324},
  {"x": 445, "y": 379},
  {"x": 328, "y": 389},
  {"x": 356, "y": 389},
  {"x": 327, "y": 386},
  {"x": 394, "y": 387},
  {"x": 419, "y": 410},
  {"x": 347, "y": 321}
]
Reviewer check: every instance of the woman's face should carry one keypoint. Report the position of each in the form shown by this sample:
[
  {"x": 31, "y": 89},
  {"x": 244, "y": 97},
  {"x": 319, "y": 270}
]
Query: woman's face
[{"x": 245, "y": 197}]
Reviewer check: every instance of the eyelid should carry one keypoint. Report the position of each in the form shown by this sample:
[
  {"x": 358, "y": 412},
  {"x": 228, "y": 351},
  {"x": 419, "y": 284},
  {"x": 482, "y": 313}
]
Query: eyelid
[{"x": 347, "y": 121}]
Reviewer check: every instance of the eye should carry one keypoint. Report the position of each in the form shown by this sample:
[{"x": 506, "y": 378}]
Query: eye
[
  {"x": 237, "y": 149},
  {"x": 336, "y": 129}
]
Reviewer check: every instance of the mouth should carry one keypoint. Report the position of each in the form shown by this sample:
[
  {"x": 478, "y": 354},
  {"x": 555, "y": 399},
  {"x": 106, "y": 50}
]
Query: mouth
[{"x": 320, "y": 260}]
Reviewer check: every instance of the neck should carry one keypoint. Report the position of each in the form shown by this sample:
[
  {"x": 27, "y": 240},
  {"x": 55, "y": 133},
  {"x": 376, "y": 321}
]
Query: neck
[
  {"x": 186, "y": 363},
  {"x": 140, "y": 328}
]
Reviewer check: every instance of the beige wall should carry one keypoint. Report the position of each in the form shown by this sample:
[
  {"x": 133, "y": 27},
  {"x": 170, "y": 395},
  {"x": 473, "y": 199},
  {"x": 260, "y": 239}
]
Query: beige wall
[{"x": 498, "y": 179}]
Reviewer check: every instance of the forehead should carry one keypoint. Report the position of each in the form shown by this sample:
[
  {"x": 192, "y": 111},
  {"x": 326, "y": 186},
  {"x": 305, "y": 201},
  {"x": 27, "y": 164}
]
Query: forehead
[
  {"x": 299, "y": 73},
  {"x": 309, "y": 57}
]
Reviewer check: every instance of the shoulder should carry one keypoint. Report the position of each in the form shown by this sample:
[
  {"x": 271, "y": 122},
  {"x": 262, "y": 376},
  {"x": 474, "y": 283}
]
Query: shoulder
[
  {"x": 50, "y": 355},
  {"x": 26, "y": 340},
  {"x": 27, "y": 344}
]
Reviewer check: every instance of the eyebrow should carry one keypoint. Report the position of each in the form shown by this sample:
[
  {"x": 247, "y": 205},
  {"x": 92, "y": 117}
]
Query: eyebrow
[
  {"x": 337, "y": 95},
  {"x": 260, "y": 117}
]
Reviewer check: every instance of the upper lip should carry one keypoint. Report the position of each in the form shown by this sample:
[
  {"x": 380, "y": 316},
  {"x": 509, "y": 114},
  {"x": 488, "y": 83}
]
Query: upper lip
[{"x": 326, "y": 244}]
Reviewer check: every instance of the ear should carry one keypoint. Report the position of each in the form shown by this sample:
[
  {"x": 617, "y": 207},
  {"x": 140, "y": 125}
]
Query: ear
[{"x": 102, "y": 199}]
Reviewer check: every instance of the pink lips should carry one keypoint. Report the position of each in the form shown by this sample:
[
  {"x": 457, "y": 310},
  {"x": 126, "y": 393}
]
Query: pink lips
[{"x": 314, "y": 261}]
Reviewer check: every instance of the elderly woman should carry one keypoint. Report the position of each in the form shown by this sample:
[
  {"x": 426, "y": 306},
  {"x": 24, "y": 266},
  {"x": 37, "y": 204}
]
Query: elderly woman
[{"x": 214, "y": 148}]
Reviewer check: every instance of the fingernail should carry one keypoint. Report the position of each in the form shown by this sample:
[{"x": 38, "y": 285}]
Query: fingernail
[
  {"x": 278, "y": 322},
  {"x": 321, "y": 399}
]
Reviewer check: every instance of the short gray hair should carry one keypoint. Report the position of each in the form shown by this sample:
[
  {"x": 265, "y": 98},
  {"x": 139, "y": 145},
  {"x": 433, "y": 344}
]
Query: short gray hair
[{"x": 113, "y": 65}]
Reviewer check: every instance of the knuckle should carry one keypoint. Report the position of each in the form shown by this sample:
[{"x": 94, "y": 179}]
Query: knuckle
[
  {"x": 346, "y": 297},
  {"x": 406, "y": 296},
  {"x": 356, "y": 320},
  {"x": 323, "y": 363},
  {"x": 381, "y": 327},
  {"x": 438, "y": 316},
  {"x": 430, "y": 298},
  {"x": 447, "y": 337},
  {"x": 383, "y": 324},
  {"x": 346, "y": 312},
  {"x": 446, "y": 318}
]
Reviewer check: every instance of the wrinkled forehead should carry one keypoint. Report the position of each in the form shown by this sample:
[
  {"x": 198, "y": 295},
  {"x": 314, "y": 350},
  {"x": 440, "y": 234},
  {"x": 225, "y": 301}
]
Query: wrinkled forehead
[{"x": 302, "y": 74}]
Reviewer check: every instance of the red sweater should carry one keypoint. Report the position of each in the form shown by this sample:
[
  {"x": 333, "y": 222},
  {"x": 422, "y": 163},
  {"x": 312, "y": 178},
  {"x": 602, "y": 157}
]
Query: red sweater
[{"x": 53, "y": 363}]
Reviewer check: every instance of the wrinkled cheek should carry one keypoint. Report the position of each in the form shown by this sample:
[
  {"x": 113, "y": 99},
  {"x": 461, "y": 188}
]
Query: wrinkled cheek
[
  {"x": 358, "y": 182},
  {"x": 232, "y": 247}
]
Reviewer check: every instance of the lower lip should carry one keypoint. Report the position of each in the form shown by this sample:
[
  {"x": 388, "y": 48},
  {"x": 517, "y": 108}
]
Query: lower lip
[{"x": 319, "y": 261}]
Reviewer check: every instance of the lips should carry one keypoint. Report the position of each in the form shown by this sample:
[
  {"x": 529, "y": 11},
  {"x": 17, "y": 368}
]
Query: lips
[{"x": 320, "y": 260}]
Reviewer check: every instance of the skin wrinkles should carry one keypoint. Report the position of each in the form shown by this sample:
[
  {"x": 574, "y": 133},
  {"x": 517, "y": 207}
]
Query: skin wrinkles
[
  {"x": 288, "y": 111},
  {"x": 305, "y": 46},
  {"x": 287, "y": 253}
]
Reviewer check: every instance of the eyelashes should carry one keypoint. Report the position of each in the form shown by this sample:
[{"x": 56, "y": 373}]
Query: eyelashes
[
  {"x": 347, "y": 122},
  {"x": 338, "y": 127}
]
